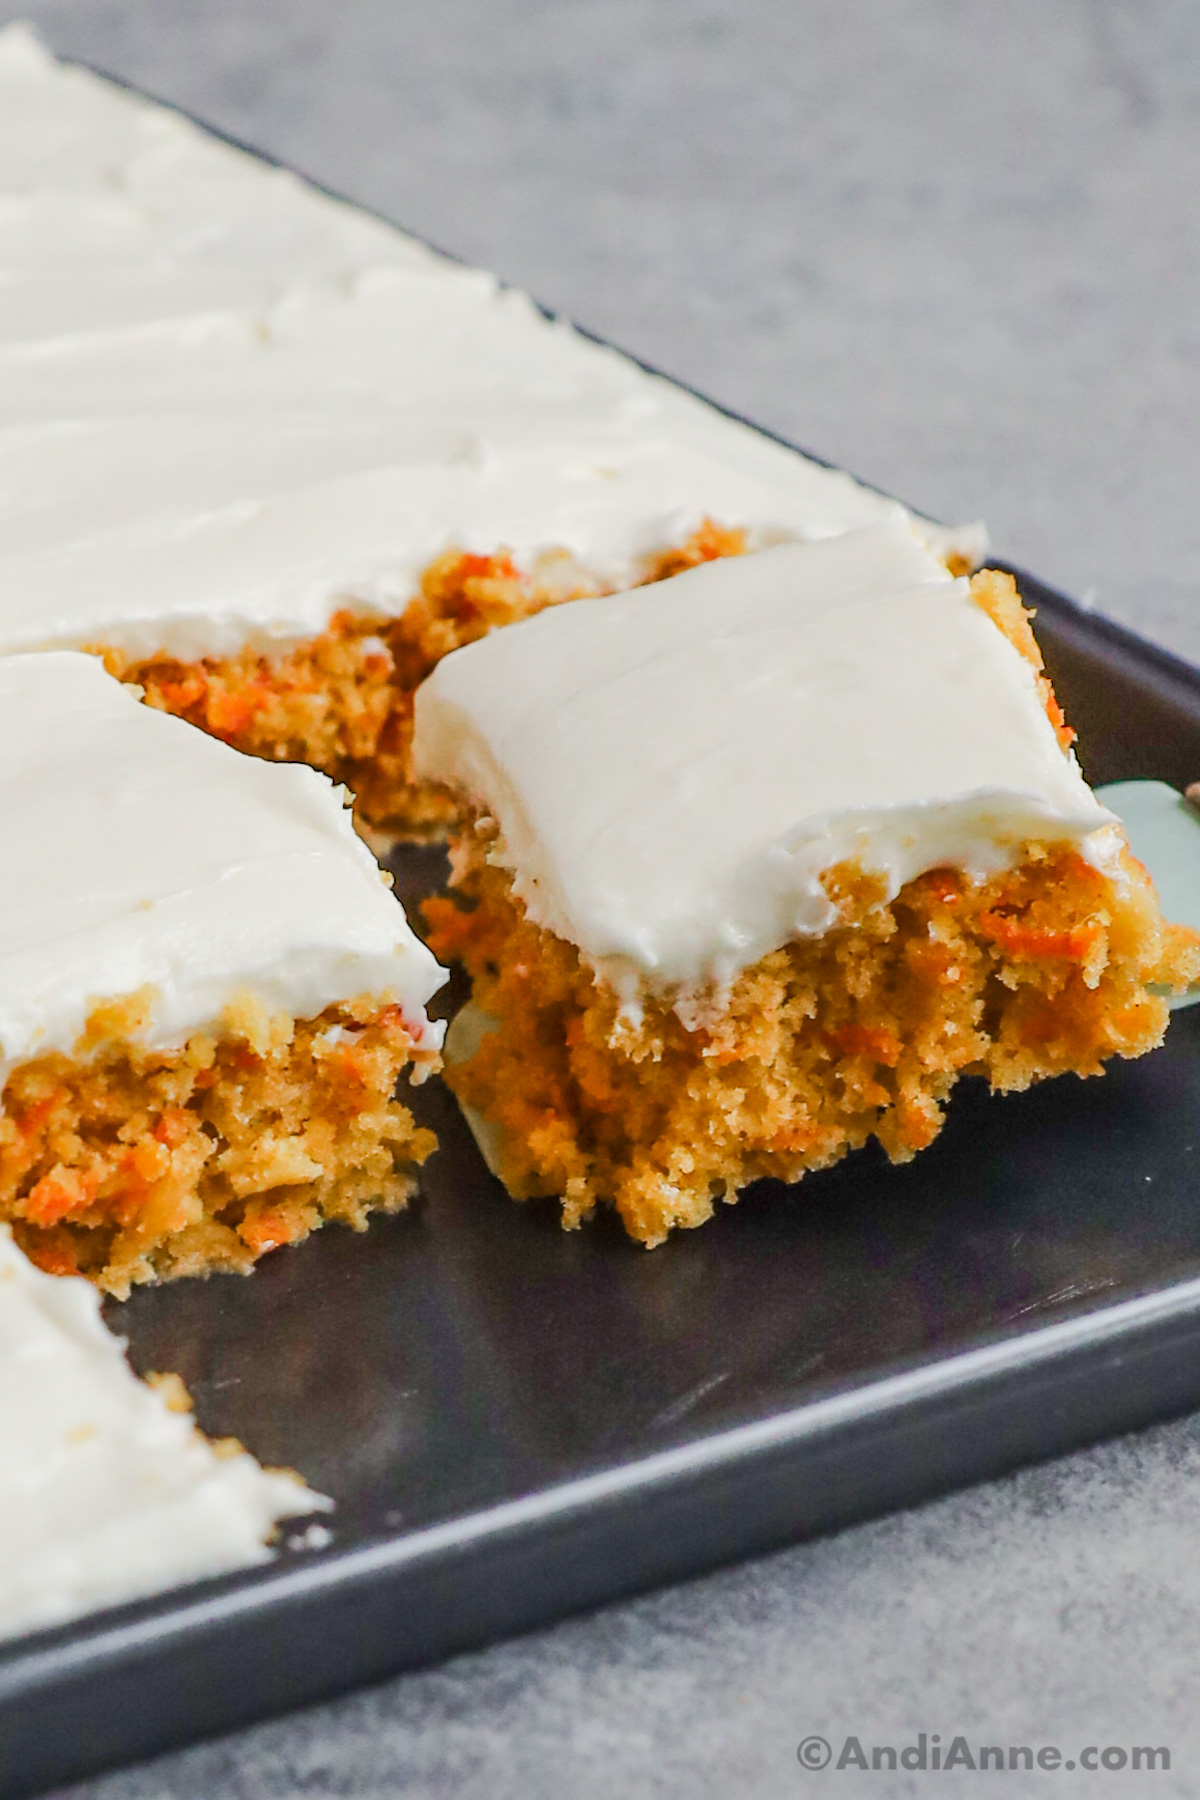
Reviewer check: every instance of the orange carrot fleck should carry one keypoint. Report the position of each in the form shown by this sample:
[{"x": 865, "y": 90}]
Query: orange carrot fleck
[
  {"x": 866, "y": 1040},
  {"x": 178, "y": 696},
  {"x": 1019, "y": 938},
  {"x": 1054, "y": 712},
  {"x": 173, "y": 1127},
  {"x": 449, "y": 928},
  {"x": 150, "y": 1161},
  {"x": 34, "y": 1117},
  {"x": 229, "y": 713},
  {"x": 55, "y": 1197},
  {"x": 267, "y": 1231}
]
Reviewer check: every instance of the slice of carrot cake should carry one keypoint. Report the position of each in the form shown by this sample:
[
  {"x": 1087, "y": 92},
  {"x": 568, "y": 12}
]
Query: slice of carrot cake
[
  {"x": 272, "y": 458},
  {"x": 107, "y": 1490},
  {"x": 207, "y": 992},
  {"x": 760, "y": 861}
]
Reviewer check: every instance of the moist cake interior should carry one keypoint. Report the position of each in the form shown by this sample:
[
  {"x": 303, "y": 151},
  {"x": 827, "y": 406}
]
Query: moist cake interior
[
  {"x": 207, "y": 992},
  {"x": 665, "y": 1102},
  {"x": 128, "y": 1164},
  {"x": 814, "y": 1049},
  {"x": 343, "y": 703}
]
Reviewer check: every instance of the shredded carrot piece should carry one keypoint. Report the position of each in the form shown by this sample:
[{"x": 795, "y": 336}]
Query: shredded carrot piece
[
  {"x": 450, "y": 928},
  {"x": 919, "y": 1120},
  {"x": 470, "y": 567},
  {"x": 268, "y": 1231},
  {"x": 706, "y": 544},
  {"x": 35, "y": 1116},
  {"x": 172, "y": 1128},
  {"x": 864, "y": 1040},
  {"x": 178, "y": 696},
  {"x": 1022, "y": 939},
  {"x": 56, "y": 1197},
  {"x": 229, "y": 713},
  {"x": 150, "y": 1161},
  {"x": 1054, "y": 712}
]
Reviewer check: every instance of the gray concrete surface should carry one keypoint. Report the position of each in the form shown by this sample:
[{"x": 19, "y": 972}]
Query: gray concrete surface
[{"x": 957, "y": 247}]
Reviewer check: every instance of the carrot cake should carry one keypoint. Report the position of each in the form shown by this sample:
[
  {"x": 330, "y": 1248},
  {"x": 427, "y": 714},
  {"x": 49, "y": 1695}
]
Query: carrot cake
[
  {"x": 760, "y": 861},
  {"x": 107, "y": 1490},
  {"x": 207, "y": 992},
  {"x": 271, "y": 458}
]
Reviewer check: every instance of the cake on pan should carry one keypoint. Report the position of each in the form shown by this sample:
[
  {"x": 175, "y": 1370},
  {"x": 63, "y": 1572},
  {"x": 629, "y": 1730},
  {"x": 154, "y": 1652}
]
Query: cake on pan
[
  {"x": 271, "y": 458},
  {"x": 760, "y": 861},
  {"x": 107, "y": 1490},
  {"x": 207, "y": 992}
]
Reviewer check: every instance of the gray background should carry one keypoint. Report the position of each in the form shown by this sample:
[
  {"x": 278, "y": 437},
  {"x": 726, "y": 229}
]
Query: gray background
[{"x": 956, "y": 247}]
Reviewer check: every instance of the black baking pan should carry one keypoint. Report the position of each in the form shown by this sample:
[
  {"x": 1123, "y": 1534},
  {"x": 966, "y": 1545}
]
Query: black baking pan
[{"x": 517, "y": 1423}]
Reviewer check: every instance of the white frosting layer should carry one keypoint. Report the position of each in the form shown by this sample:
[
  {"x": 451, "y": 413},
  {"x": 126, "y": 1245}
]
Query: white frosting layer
[
  {"x": 137, "y": 851},
  {"x": 105, "y": 1493},
  {"x": 673, "y": 769},
  {"x": 230, "y": 404}
]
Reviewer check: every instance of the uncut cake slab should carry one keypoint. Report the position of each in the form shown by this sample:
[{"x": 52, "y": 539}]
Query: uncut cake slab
[
  {"x": 273, "y": 458},
  {"x": 270, "y": 464}
]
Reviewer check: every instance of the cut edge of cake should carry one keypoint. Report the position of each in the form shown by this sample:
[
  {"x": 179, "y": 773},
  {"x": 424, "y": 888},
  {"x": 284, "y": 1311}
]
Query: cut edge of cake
[
  {"x": 342, "y": 702},
  {"x": 129, "y": 1164},
  {"x": 207, "y": 993},
  {"x": 808, "y": 1053},
  {"x": 664, "y": 1097}
]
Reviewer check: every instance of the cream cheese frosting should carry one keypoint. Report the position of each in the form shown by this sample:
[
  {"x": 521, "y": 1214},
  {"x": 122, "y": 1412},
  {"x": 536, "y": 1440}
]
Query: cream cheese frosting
[
  {"x": 230, "y": 404},
  {"x": 139, "y": 853},
  {"x": 106, "y": 1494},
  {"x": 672, "y": 770}
]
